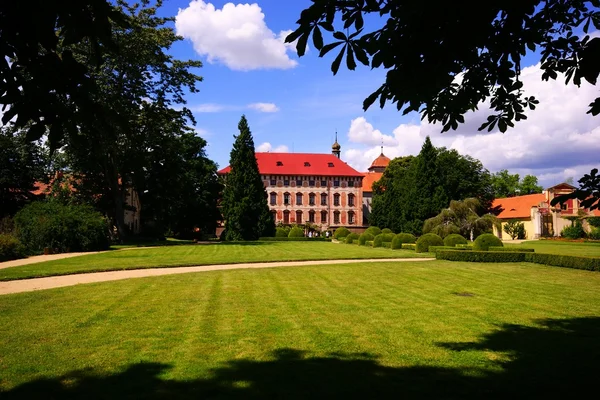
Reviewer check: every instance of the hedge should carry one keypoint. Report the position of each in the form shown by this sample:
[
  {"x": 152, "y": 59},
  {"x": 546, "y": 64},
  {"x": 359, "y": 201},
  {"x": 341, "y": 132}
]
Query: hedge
[
  {"x": 351, "y": 238},
  {"x": 387, "y": 237},
  {"x": 585, "y": 263},
  {"x": 480, "y": 256},
  {"x": 428, "y": 239},
  {"x": 364, "y": 238},
  {"x": 408, "y": 246},
  {"x": 294, "y": 239},
  {"x": 282, "y": 232},
  {"x": 296, "y": 232},
  {"x": 453, "y": 239},
  {"x": 10, "y": 248},
  {"x": 406, "y": 238},
  {"x": 387, "y": 230},
  {"x": 341, "y": 232},
  {"x": 433, "y": 249},
  {"x": 513, "y": 249},
  {"x": 483, "y": 242},
  {"x": 378, "y": 241},
  {"x": 465, "y": 246},
  {"x": 387, "y": 245}
]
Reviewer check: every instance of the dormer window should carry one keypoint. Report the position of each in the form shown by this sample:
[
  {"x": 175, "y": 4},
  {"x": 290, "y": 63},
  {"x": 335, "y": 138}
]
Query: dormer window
[
  {"x": 279, "y": 163},
  {"x": 330, "y": 164},
  {"x": 306, "y": 164}
]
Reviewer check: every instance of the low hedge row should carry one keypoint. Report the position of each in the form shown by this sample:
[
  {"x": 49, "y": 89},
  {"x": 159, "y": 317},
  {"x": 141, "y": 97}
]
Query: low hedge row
[
  {"x": 294, "y": 239},
  {"x": 465, "y": 246},
  {"x": 513, "y": 249},
  {"x": 433, "y": 249},
  {"x": 408, "y": 246},
  {"x": 585, "y": 263}
]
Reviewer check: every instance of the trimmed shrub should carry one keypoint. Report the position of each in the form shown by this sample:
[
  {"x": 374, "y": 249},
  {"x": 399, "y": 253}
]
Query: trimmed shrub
[
  {"x": 351, "y": 238},
  {"x": 378, "y": 241},
  {"x": 408, "y": 246},
  {"x": 296, "y": 232},
  {"x": 10, "y": 248},
  {"x": 281, "y": 232},
  {"x": 453, "y": 239},
  {"x": 513, "y": 249},
  {"x": 387, "y": 230},
  {"x": 433, "y": 249},
  {"x": 364, "y": 238},
  {"x": 61, "y": 227},
  {"x": 369, "y": 243},
  {"x": 573, "y": 232},
  {"x": 483, "y": 242},
  {"x": 406, "y": 238},
  {"x": 586, "y": 263},
  {"x": 293, "y": 239},
  {"x": 373, "y": 230},
  {"x": 480, "y": 256},
  {"x": 387, "y": 237},
  {"x": 465, "y": 246},
  {"x": 594, "y": 234},
  {"x": 387, "y": 244},
  {"x": 428, "y": 239},
  {"x": 341, "y": 233}
]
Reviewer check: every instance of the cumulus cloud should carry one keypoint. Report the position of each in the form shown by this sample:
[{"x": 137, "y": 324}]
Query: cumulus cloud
[
  {"x": 207, "y": 108},
  {"x": 558, "y": 140},
  {"x": 264, "y": 107},
  {"x": 266, "y": 147},
  {"x": 236, "y": 36}
]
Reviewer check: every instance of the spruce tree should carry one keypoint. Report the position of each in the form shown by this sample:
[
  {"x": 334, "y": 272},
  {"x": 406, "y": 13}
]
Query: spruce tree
[{"x": 245, "y": 207}]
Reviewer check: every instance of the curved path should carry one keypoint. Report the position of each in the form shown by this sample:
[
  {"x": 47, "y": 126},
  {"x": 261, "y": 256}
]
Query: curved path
[{"x": 29, "y": 285}]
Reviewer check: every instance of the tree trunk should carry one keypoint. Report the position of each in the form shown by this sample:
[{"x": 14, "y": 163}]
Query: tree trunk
[{"x": 112, "y": 177}]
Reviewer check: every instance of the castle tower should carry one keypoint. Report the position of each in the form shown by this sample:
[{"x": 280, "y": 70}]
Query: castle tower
[{"x": 335, "y": 148}]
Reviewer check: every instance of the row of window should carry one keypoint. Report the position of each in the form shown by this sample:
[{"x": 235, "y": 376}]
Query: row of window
[
  {"x": 311, "y": 183},
  {"x": 312, "y": 199},
  {"x": 312, "y": 217}
]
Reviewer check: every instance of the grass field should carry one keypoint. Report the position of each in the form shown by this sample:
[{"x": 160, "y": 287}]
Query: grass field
[
  {"x": 382, "y": 330},
  {"x": 558, "y": 247},
  {"x": 174, "y": 256}
]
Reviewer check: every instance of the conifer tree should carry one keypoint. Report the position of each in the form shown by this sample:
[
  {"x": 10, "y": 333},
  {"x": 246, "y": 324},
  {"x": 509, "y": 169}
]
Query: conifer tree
[{"x": 245, "y": 208}]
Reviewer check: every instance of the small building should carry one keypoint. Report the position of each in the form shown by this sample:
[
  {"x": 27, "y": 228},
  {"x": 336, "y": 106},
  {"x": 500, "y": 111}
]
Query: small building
[
  {"x": 374, "y": 174},
  {"x": 320, "y": 189},
  {"x": 538, "y": 216}
]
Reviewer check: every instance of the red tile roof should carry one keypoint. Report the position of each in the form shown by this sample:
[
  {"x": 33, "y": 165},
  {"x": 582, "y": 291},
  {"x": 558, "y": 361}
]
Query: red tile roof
[
  {"x": 301, "y": 164},
  {"x": 518, "y": 206},
  {"x": 381, "y": 161},
  {"x": 369, "y": 179}
]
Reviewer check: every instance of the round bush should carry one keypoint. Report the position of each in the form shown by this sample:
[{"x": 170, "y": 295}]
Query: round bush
[
  {"x": 61, "y": 227},
  {"x": 387, "y": 230},
  {"x": 387, "y": 237},
  {"x": 573, "y": 232},
  {"x": 282, "y": 232},
  {"x": 341, "y": 232},
  {"x": 428, "y": 239},
  {"x": 453, "y": 239},
  {"x": 296, "y": 232},
  {"x": 10, "y": 248},
  {"x": 378, "y": 240},
  {"x": 483, "y": 242},
  {"x": 364, "y": 238},
  {"x": 406, "y": 238},
  {"x": 373, "y": 230},
  {"x": 351, "y": 238}
]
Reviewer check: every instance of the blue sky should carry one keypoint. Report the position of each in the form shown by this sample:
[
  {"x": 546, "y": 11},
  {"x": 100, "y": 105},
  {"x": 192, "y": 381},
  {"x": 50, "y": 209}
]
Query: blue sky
[{"x": 296, "y": 104}]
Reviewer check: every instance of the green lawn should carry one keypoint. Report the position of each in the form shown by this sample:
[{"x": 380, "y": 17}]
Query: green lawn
[
  {"x": 380, "y": 330},
  {"x": 202, "y": 254},
  {"x": 565, "y": 248}
]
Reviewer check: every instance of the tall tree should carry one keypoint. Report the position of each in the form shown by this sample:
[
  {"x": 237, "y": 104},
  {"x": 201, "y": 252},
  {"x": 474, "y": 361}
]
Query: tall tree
[
  {"x": 21, "y": 165},
  {"x": 529, "y": 185},
  {"x": 424, "y": 46},
  {"x": 141, "y": 84},
  {"x": 505, "y": 184},
  {"x": 461, "y": 217},
  {"x": 245, "y": 207}
]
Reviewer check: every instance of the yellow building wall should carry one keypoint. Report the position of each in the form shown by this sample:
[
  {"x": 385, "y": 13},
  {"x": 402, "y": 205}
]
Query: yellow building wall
[{"x": 529, "y": 229}]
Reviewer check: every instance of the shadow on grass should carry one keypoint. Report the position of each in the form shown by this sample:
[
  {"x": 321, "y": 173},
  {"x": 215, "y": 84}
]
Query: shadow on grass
[{"x": 558, "y": 359}]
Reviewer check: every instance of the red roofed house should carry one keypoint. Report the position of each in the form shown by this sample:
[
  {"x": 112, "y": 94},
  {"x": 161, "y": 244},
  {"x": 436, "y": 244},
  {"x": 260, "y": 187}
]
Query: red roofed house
[
  {"x": 316, "y": 188},
  {"x": 373, "y": 175},
  {"x": 534, "y": 210}
]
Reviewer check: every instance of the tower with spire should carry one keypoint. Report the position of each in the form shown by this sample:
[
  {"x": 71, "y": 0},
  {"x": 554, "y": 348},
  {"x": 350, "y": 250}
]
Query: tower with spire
[{"x": 336, "y": 148}]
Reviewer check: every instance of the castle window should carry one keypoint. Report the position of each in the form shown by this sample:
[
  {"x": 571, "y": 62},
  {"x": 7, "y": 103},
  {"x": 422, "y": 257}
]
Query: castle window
[
  {"x": 273, "y": 182},
  {"x": 298, "y": 182},
  {"x": 311, "y": 216},
  {"x": 351, "y": 183},
  {"x": 298, "y": 199},
  {"x": 324, "y": 199},
  {"x": 273, "y": 198},
  {"x": 311, "y": 183},
  {"x": 298, "y": 217},
  {"x": 330, "y": 164},
  {"x": 286, "y": 217},
  {"x": 351, "y": 217},
  {"x": 336, "y": 199},
  {"x": 351, "y": 200},
  {"x": 336, "y": 183},
  {"x": 286, "y": 182},
  {"x": 286, "y": 199},
  {"x": 323, "y": 183},
  {"x": 323, "y": 217},
  {"x": 312, "y": 199},
  {"x": 336, "y": 217}
]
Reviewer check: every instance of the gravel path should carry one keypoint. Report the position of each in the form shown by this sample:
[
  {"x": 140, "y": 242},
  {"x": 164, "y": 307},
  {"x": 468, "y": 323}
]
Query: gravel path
[
  {"x": 38, "y": 259},
  {"x": 29, "y": 285}
]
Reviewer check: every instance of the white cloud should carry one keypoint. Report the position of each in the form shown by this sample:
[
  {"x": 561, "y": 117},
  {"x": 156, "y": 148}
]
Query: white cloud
[
  {"x": 207, "y": 108},
  {"x": 266, "y": 147},
  {"x": 558, "y": 140},
  {"x": 264, "y": 107},
  {"x": 236, "y": 36}
]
